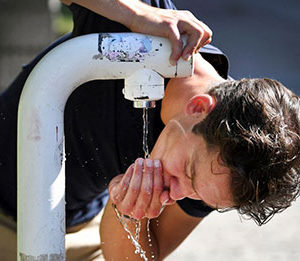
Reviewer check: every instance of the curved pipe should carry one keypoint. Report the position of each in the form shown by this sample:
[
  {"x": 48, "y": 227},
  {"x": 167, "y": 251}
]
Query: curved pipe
[{"x": 41, "y": 179}]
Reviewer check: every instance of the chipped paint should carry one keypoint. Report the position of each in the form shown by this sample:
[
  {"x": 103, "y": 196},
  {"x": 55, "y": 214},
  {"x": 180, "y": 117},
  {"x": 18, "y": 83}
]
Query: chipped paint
[
  {"x": 58, "y": 153},
  {"x": 123, "y": 47},
  {"x": 44, "y": 257}
]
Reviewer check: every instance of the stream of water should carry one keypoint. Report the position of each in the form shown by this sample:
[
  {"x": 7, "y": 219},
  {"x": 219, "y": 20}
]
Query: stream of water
[{"x": 124, "y": 220}]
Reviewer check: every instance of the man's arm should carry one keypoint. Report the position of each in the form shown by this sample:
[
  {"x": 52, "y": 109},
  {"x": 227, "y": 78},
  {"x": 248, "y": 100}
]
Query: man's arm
[
  {"x": 142, "y": 18},
  {"x": 167, "y": 232}
]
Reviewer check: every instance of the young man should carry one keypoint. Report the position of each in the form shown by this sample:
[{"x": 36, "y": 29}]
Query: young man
[{"x": 229, "y": 144}]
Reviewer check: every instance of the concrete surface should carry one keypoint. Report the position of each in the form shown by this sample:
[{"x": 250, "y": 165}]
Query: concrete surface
[{"x": 227, "y": 237}]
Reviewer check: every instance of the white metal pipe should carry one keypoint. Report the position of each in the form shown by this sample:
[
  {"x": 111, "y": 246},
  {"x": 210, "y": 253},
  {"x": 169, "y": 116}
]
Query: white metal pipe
[{"x": 41, "y": 178}]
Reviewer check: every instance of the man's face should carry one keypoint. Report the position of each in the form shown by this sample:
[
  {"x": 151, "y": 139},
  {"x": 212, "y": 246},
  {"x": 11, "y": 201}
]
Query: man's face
[{"x": 189, "y": 168}]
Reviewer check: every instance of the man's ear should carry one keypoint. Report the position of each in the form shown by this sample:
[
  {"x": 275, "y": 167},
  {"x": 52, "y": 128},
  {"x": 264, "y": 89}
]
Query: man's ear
[{"x": 203, "y": 103}]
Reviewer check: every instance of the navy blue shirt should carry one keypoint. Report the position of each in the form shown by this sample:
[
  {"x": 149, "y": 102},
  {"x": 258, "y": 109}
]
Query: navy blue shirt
[{"x": 103, "y": 132}]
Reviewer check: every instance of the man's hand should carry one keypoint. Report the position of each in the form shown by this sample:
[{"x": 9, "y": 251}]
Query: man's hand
[
  {"x": 171, "y": 24},
  {"x": 140, "y": 191}
]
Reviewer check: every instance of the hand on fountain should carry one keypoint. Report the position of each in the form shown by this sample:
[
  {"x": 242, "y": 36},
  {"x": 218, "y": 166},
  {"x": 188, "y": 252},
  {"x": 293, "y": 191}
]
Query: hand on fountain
[
  {"x": 171, "y": 24},
  {"x": 140, "y": 191}
]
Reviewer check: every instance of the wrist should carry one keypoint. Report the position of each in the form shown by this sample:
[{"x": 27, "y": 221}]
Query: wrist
[{"x": 130, "y": 12}]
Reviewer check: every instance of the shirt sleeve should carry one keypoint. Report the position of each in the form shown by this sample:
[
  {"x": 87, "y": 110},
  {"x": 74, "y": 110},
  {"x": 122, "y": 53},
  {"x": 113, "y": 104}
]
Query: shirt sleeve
[{"x": 195, "y": 208}]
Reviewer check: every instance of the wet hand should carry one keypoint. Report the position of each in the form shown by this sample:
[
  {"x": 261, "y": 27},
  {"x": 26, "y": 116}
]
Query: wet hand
[
  {"x": 171, "y": 24},
  {"x": 140, "y": 192}
]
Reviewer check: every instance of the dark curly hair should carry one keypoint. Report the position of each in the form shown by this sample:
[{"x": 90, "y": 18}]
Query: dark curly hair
[{"x": 256, "y": 126}]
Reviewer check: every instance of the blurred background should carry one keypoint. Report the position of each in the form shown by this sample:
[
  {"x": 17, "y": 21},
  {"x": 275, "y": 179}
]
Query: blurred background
[
  {"x": 27, "y": 27},
  {"x": 261, "y": 39}
]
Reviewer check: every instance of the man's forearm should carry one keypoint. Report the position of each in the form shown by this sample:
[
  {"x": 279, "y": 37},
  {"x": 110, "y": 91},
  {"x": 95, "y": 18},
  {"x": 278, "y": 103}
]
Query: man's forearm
[{"x": 122, "y": 11}]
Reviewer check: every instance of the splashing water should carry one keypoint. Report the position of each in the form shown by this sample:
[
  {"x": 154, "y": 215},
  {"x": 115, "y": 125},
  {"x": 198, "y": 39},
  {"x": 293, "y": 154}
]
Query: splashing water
[{"x": 135, "y": 239}]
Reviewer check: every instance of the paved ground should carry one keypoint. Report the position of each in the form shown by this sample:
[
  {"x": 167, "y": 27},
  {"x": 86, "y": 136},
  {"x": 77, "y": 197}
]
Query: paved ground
[{"x": 225, "y": 237}]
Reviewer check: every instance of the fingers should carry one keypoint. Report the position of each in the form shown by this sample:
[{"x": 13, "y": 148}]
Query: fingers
[
  {"x": 155, "y": 205},
  {"x": 195, "y": 41},
  {"x": 119, "y": 185},
  {"x": 133, "y": 191},
  {"x": 137, "y": 192},
  {"x": 176, "y": 42},
  {"x": 199, "y": 34},
  {"x": 145, "y": 194}
]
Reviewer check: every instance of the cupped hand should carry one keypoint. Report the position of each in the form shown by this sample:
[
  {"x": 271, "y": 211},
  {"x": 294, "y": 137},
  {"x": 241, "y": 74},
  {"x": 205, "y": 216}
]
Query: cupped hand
[
  {"x": 140, "y": 191},
  {"x": 172, "y": 24}
]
